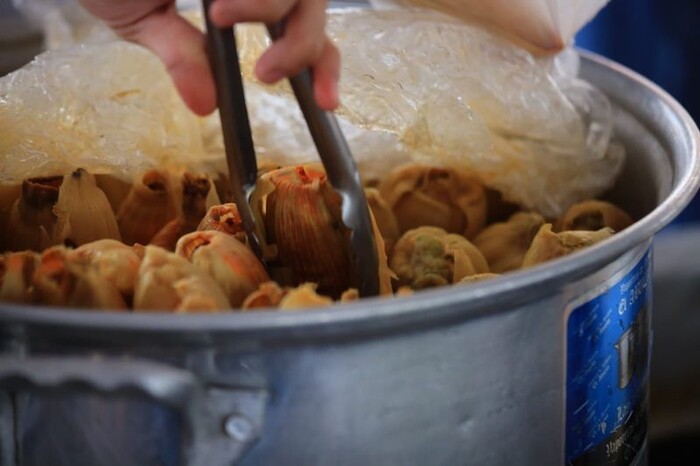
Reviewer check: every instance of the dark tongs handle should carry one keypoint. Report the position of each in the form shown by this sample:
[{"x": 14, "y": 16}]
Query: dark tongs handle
[{"x": 238, "y": 139}]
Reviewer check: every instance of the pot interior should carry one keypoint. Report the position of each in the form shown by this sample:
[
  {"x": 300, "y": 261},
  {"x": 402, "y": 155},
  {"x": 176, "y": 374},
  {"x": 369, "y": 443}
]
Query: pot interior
[{"x": 659, "y": 177}]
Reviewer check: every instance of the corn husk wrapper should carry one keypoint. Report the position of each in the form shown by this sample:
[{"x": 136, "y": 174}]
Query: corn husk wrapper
[
  {"x": 429, "y": 256},
  {"x": 300, "y": 223},
  {"x": 423, "y": 195},
  {"x": 114, "y": 261},
  {"x": 83, "y": 211},
  {"x": 8, "y": 195},
  {"x": 547, "y": 245},
  {"x": 480, "y": 277},
  {"x": 150, "y": 205},
  {"x": 504, "y": 244},
  {"x": 227, "y": 261},
  {"x": 114, "y": 188},
  {"x": 60, "y": 281},
  {"x": 303, "y": 227},
  {"x": 195, "y": 195},
  {"x": 594, "y": 215},
  {"x": 385, "y": 219},
  {"x": 268, "y": 295},
  {"x": 16, "y": 271},
  {"x": 351, "y": 294},
  {"x": 303, "y": 297},
  {"x": 32, "y": 222},
  {"x": 168, "y": 282}
]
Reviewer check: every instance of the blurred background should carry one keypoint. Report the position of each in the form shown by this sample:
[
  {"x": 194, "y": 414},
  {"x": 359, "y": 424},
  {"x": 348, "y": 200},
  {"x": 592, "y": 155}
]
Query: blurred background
[
  {"x": 18, "y": 41},
  {"x": 660, "y": 40}
]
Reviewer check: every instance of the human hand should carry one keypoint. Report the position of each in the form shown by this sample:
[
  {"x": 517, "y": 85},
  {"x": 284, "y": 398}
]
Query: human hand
[{"x": 155, "y": 24}]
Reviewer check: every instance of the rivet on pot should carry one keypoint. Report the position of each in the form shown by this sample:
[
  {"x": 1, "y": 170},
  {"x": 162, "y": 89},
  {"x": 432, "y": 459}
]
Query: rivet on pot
[{"x": 238, "y": 427}]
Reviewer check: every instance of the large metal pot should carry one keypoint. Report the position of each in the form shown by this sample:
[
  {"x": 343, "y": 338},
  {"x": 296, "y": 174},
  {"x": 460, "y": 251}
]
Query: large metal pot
[{"x": 543, "y": 367}]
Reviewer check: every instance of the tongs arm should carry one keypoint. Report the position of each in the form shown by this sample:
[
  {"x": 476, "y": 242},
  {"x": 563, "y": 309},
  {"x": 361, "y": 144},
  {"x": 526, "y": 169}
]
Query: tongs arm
[
  {"x": 235, "y": 125},
  {"x": 331, "y": 145},
  {"x": 343, "y": 175}
]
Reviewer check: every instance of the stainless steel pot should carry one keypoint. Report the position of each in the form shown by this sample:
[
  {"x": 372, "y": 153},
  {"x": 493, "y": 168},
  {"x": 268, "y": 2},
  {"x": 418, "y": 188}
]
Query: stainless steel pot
[{"x": 503, "y": 372}]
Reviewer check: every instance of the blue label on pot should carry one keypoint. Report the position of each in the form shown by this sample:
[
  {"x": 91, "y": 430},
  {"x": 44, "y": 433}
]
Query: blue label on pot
[{"x": 607, "y": 371}]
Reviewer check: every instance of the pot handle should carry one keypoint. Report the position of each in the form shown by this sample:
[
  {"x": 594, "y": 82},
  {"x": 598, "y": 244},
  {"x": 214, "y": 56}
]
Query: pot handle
[{"x": 222, "y": 423}]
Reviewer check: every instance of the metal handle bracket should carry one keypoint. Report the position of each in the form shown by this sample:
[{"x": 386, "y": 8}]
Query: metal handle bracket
[{"x": 221, "y": 422}]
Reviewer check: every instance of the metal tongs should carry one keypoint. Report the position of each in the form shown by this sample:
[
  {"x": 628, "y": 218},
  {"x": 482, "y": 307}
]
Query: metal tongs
[{"x": 331, "y": 145}]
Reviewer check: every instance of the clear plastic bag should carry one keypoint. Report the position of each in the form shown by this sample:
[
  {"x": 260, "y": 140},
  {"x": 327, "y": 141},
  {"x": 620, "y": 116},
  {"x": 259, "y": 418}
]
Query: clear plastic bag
[
  {"x": 108, "y": 108},
  {"x": 546, "y": 25},
  {"x": 416, "y": 87}
]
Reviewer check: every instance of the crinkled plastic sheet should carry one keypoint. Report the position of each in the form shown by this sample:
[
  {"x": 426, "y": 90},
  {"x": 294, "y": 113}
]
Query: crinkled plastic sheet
[
  {"x": 108, "y": 108},
  {"x": 543, "y": 25},
  {"x": 422, "y": 87},
  {"x": 416, "y": 87}
]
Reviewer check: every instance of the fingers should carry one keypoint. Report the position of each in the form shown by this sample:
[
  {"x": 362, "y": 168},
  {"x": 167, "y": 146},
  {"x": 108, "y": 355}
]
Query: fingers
[
  {"x": 303, "y": 45},
  {"x": 300, "y": 46},
  {"x": 326, "y": 73},
  {"x": 181, "y": 48},
  {"x": 157, "y": 26},
  {"x": 225, "y": 13}
]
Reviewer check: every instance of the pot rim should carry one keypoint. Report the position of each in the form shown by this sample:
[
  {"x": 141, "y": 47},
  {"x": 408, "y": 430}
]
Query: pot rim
[{"x": 465, "y": 301}]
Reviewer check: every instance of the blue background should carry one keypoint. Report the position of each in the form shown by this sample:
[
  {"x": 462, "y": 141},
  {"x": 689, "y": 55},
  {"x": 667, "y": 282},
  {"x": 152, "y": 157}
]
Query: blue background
[{"x": 659, "y": 39}]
